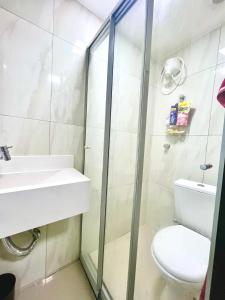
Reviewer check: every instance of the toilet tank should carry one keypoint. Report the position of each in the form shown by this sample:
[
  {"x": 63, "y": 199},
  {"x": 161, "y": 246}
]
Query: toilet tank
[{"x": 194, "y": 205}]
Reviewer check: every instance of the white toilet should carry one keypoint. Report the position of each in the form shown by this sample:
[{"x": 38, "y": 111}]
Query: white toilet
[{"x": 181, "y": 252}]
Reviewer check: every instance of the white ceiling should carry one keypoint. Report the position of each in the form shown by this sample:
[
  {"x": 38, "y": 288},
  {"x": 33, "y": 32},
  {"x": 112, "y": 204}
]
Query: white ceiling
[
  {"x": 175, "y": 22},
  {"x": 101, "y": 8}
]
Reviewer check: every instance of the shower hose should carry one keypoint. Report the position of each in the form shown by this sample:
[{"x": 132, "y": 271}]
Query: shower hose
[{"x": 13, "y": 249}]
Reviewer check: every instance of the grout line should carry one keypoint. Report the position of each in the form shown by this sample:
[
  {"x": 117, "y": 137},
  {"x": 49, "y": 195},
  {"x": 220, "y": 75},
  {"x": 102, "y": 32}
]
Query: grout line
[
  {"x": 50, "y": 117},
  {"x": 46, "y": 250},
  {"x": 221, "y": 63},
  {"x": 169, "y": 189},
  {"x": 150, "y": 135},
  {"x": 53, "y": 17},
  {"x": 212, "y": 99},
  {"x": 113, "y": 187},
  {"x": 84, "y": 7},
  {"x": 52, "y": 61},
  {"x": 212, "y": 67},
  {"x": 26, "y": 20},
  {"x": 65, "y": 123},
  {"x": 50, "y": 124},
  {"x": 25, "y": 118},
  {"x": 113, "y": 129},
  {"x": 41, "y": 120},
  {"x": 190, "y": 42},
  {"x": 70, "y": 43},
  {"x": 184, "y": 136},
  {"x": 47, "y": 31}
]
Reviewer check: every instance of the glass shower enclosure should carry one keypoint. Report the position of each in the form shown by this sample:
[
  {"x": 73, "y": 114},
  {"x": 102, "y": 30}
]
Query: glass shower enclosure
[
  {"x": 116, "y": 95},
  {"x": 132, "y": 154}
]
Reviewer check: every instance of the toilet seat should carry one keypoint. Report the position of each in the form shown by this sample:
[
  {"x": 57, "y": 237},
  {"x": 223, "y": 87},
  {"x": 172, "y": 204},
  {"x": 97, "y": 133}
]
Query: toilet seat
[{"x": 182, "y": 253}]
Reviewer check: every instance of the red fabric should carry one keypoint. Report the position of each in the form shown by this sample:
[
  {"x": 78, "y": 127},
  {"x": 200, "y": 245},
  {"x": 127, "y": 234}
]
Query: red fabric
[
  {"x": 221, "y": 94},
  {"x": 202, "y": 296}
]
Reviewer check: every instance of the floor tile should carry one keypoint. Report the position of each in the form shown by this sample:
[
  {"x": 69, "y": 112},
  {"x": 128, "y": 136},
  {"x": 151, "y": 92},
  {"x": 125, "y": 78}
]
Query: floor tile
[{"x": 69, "y": 283}]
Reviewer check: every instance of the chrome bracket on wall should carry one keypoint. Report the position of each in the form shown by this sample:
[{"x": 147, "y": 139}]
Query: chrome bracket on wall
[{"x": 15, "y": 250}]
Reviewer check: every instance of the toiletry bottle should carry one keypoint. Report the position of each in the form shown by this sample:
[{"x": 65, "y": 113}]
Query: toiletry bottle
[
  {"x": 173, "y": 114},
  {"x": 183, "y": 112}
]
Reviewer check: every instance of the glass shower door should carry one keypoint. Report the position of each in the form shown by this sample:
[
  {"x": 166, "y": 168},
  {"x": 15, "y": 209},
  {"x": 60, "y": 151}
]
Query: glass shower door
[
  {"x": 94, "y": 144},
  {"x": 127, "y": 73},
  {"x": 173, "y": 154}
]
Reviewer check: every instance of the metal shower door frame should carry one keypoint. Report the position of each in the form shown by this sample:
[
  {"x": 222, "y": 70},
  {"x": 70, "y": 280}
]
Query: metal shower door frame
[
  {"x": 109, "y": 28},
  {"x": 215, "y": 288},
  {"x": 216, "y": 273}
]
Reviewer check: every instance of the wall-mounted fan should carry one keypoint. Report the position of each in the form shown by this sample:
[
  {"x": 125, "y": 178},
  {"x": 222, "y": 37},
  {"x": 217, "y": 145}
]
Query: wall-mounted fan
[{"x": 173, "y": 75}]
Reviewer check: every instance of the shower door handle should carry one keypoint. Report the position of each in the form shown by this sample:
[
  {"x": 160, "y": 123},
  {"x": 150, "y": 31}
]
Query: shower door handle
[{"x": 87, "y": 147}]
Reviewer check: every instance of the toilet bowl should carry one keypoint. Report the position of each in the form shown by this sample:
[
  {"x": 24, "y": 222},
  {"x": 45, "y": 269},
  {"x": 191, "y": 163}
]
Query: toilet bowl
[
  {"x": 182, "y": 257},
  {"x": 181, "y": 252}
]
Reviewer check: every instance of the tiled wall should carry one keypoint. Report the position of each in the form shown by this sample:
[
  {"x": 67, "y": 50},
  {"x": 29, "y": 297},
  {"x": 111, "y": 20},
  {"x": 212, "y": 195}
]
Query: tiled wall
[
  {"x": 123, "y": 139},
  {"x": 42, "y": 52},
  {"x": 206, "y": 70}
]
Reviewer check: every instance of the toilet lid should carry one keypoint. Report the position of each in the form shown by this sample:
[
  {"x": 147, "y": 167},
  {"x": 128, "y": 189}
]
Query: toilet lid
[{"x": 182, "y": 252}]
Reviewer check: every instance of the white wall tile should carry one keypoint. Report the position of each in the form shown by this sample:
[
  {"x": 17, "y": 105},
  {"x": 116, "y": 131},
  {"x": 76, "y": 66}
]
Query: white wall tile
[
  {"x": 63, "y": 241},
  {"x": 67, "y": 139},
  {"x": 147, "y": 156},
  {"x": 119, "y": 211},
  {"x": 155, "y": 72},
  {"x": 26, "y": 81},
  {"x": 25, "y": 73},
  {"x": 25, "y": 135},
  {"x": 122, "y": 158},
  {"x": 100, "y": 51},
  {"x": 67, "y": 83},
  {"x": 182, "y": 160},
  {"x": 97, "y": 83},
  {"x": 90, "y": 234},
  {"x": 217, "y": 112},
  {"x": 74, "y": 23},
  {"x": 94, "y": 156},
  {"x": 201, "y": 54},
  {"x": 144, "y": 200},
  {"x": 27, "y": 269},
  {"x": 128, "y": 57},
  {"x": 38, "y": 12},
  {"x": 160, "y": 207},
  {"x": 125, "y": 102},
  {"x": 221, "y": 53},
  {"x": 213, "y": 157},
  {"x": 126, "y": 85},
  {"x": 198, "y": 89},
  {"x": 153, "y": 93}
]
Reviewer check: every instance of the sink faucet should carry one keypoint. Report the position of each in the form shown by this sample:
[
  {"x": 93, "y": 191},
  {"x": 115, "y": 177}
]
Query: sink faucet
[{"x": 4, "y": 152}]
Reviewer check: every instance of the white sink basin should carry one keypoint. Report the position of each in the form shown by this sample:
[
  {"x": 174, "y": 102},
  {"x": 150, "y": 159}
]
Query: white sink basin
[{"x": 38, "y": 190}]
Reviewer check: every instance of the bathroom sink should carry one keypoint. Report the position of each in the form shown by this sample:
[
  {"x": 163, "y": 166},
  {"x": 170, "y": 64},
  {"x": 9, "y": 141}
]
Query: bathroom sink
[{"x": 38, "y": 190}]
